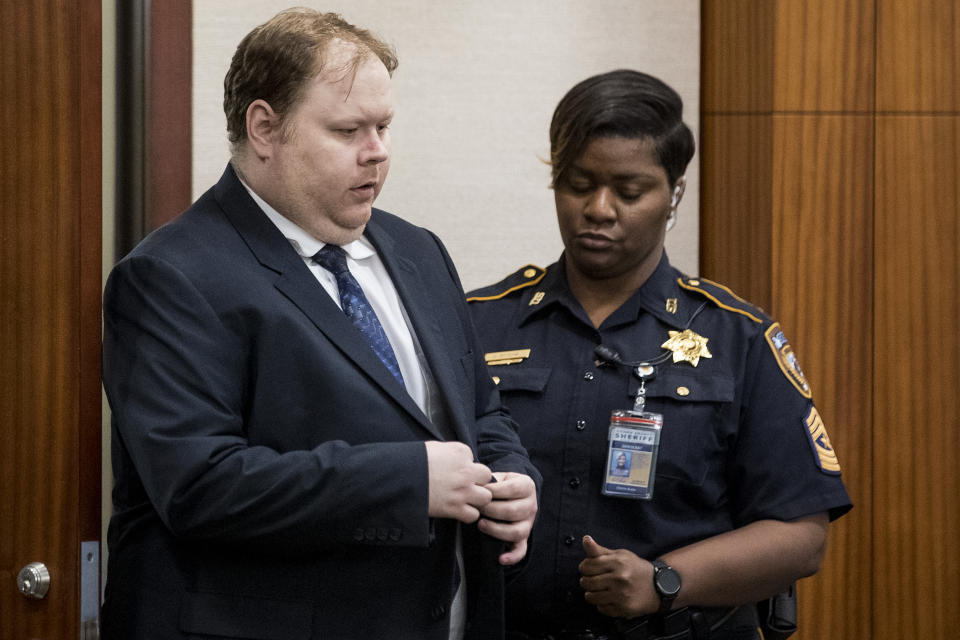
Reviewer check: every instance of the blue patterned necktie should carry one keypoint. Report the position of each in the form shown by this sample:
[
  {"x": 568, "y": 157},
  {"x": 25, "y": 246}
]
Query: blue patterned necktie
[{"x": 357, "y": 307}]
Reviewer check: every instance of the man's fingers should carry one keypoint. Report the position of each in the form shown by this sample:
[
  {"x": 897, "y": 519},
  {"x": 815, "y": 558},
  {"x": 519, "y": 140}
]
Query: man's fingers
[
  {"x": 506, "y": 531},
  {"x": 511, "y": 486},
  {"x": 480, "y": 475},
  {"x": 456, "y": 482},
  {"x": 515, "y": 553}
]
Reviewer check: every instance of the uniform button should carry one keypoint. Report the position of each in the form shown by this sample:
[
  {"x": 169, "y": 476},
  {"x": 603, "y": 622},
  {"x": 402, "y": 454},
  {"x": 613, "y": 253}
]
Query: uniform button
[
  {"x": 588, "y": 376},
  {"x": 574, "y": 482},
  {"x": 581, "y": 425},
  {"x": 569, "y": 540}
]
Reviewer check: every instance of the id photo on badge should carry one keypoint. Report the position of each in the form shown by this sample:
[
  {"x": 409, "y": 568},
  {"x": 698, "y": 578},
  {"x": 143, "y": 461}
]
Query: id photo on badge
[{"x": 621, "y": 463}]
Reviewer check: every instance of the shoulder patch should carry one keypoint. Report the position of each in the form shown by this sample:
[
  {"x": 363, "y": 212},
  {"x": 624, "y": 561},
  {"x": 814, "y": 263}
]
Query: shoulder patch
[
  {"x": 524, "y": 277},
  {"x": 787, "y": 359},
  {"x": 722, "y": 297},
  {"x": 822, "y": 449}
]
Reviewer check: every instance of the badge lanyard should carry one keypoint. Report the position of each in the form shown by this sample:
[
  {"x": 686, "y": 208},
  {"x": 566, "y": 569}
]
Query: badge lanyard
[
  {"x": 633, "y": 438},
  {"x": 633, "y": 442}
]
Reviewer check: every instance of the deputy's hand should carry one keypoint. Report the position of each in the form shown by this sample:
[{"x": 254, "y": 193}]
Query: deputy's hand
[
  {"x": 509, "y": 517},
  {"x": 617, "y": 581},
  {"x": 456, "y": 482}
]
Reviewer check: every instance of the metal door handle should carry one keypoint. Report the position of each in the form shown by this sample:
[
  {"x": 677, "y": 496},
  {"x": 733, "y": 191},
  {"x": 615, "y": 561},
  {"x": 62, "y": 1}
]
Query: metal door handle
[{"x": 34, "y": 580}]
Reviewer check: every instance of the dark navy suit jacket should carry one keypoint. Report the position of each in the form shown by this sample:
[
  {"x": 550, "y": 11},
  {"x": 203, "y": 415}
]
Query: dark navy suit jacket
[{"x": 271, "y": 478}]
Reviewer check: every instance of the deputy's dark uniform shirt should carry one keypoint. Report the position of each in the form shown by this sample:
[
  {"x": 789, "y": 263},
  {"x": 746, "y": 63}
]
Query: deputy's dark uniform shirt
[{"x": 741, "y": 438}]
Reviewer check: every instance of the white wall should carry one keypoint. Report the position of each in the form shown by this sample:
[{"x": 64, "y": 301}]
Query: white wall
[{"x": 475, "y": 90}]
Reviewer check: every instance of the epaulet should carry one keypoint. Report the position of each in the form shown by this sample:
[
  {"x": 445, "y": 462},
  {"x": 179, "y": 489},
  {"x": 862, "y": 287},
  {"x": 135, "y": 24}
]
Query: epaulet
[
  {"x": 520, "y": 279},
  {"x": 722, "y": 297}
]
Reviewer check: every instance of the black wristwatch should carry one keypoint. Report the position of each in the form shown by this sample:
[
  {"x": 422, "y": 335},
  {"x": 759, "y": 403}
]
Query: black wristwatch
[{"x": 667, "y": 583}]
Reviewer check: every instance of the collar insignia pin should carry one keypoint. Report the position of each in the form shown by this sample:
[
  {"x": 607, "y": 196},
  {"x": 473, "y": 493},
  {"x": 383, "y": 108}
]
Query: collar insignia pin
[{"x": 687, "y": 346}]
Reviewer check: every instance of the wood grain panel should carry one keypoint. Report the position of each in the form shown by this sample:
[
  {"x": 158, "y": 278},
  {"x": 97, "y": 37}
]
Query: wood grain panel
[
  {"x": 737, "y": 55},
  {"x": 735, "y": 203},
  {"x": 918, "y": 55},
  {"x": 822, "y": 256},
  {"x": 824, "y": 56},
  {"x": 89, "y": 267},
  {"x": 49, "y": 321},
  {"x": 917, "y": 442},
  {"x": 168, "y": 78}
]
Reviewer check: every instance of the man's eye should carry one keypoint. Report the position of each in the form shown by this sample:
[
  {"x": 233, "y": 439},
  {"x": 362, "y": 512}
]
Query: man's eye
[
  {"x": 579, "y": 186},
  {"x": 348, "y": 132},
  {"x": 382, "y": 127},
  {"x": 629, "y": 196}
]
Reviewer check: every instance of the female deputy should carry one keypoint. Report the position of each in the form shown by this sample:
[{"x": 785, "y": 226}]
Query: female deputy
[{"x": 611, "y": 351}]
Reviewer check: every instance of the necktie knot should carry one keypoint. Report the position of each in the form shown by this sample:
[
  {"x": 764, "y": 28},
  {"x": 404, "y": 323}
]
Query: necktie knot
[{"x": 332, "y": 258}]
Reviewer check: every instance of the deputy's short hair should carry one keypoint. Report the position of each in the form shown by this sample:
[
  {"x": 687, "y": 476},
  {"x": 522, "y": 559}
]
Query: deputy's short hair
[{"x": 622, "y": 103}]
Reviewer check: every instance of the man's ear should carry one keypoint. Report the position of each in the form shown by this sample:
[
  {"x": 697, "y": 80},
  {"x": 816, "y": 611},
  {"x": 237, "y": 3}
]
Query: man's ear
[{"x": 263, "y": 128}]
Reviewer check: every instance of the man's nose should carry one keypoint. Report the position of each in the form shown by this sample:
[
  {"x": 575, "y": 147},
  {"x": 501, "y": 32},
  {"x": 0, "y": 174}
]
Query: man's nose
[{"x": 375, "y": 149}]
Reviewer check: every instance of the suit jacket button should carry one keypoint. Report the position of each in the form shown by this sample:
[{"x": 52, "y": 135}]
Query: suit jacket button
[{"x": 358, "y": 534}]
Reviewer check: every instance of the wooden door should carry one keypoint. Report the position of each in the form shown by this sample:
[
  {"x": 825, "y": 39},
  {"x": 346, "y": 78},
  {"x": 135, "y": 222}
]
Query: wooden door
[{"x": 50, "y": 198}]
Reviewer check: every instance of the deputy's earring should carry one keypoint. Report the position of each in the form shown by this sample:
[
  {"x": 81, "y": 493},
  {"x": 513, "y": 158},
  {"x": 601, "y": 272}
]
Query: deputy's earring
[{"x": 674, "y": 201}]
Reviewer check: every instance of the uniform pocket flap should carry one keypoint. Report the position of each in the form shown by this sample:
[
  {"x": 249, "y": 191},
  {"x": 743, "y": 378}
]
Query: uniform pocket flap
[
  {"x": 526, "y": 379},
  {"x": 235, "y": 616},
  {"x": 691, "y": 386}
]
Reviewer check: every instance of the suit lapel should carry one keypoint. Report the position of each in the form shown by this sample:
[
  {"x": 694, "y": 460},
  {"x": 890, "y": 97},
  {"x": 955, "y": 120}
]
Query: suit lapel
[
  {"x": 417, "y": 300},
  {"x": 295, "y": 281}
]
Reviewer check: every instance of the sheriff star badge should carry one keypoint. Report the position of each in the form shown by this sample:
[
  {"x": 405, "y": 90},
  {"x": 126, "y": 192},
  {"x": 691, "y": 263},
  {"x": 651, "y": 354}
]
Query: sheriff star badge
[{"x": 687, "y": 346}]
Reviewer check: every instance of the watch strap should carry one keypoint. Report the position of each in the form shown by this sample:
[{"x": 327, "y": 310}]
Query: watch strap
[{"x": 666, "y": 582}]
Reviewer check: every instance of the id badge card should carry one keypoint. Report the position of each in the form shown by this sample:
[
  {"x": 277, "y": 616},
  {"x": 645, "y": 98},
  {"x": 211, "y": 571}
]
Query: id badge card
[{"x": 633, "y": 444}]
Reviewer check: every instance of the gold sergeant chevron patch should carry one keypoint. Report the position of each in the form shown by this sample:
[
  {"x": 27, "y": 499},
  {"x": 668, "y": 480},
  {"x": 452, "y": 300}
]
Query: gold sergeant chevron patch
[{"x": 822, "y": 449}]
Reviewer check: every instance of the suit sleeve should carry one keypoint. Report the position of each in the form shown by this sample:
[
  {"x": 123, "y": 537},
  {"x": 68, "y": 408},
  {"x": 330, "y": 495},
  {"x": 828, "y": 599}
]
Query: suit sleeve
[{"x": 176, "y": 378}]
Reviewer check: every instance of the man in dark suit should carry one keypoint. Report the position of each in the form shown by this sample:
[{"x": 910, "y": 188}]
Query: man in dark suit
[{"x": 304, "y": 433}]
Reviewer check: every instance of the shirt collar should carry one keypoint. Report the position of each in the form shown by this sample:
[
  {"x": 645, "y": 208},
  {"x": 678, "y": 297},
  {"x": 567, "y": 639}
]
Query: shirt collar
[
  {"x": 302, "y": 242},
  {"x": 660, "y": 296}
]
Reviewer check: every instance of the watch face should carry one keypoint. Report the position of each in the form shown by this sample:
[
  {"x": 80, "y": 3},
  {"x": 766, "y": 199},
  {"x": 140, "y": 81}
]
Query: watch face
[{"x": 668, "y": 581}]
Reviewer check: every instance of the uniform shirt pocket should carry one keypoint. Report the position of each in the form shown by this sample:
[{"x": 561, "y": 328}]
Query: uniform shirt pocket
[
  {"x": 692, "y": 404},
  {"x": 527, "y": 379}
]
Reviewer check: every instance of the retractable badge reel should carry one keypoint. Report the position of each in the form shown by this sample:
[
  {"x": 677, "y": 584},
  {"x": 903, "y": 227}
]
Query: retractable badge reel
[{"x": 633, "y": 444}]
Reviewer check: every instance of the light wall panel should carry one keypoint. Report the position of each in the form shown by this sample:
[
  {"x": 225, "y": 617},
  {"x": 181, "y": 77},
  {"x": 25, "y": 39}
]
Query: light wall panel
[{"x": 474, "y": 92}]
